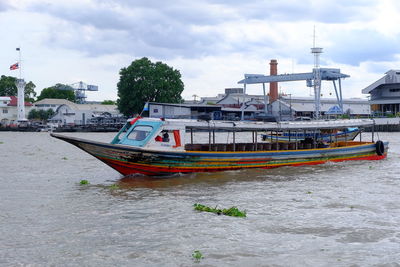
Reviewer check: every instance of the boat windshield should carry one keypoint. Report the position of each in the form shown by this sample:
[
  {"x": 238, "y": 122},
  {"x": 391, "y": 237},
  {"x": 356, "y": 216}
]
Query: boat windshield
[
  {"x": 121, "y": 133},
  {"x": 140, "y": 132}
]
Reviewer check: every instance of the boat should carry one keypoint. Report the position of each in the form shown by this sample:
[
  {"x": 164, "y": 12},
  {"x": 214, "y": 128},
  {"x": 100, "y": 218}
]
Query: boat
[
  {"x": 330, "y": 135},
  {"x": 156, "y": 147}
]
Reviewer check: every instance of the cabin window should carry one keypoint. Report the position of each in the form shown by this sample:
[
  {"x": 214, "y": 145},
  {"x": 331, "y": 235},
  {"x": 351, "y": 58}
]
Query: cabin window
[{"x": 140, "y": 132}]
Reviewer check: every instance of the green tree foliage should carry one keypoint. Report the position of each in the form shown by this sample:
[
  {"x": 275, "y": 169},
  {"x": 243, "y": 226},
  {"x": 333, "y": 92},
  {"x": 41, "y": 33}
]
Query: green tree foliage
[
  {"x": 8, "y": 87},
  {"x": 144, "y": 81},
  {"x": 108, "y": 102},
  {"x": 59, "y": 91},
  {"x": 40, "y": 114}
]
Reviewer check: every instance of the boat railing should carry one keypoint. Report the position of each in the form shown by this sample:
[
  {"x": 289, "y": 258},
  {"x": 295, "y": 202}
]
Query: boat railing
[{"x": 264, "y": 146}]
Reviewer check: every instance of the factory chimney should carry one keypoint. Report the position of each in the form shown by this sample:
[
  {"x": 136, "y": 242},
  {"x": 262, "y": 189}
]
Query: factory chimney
[{"x": 273, "y": 86}]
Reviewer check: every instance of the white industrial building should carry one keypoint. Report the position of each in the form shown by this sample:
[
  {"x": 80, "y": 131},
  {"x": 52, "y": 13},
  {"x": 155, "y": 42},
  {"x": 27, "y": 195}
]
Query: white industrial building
[
  {"x": 385, "y": 93},
  {"x": 293, "y": 107},
  {"x": 50, "y": 103},
  {"x": 71, "y": 113}
]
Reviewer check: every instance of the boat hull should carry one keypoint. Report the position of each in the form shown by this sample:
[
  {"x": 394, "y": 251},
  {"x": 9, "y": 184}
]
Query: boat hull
[{"x": 131, "y": 160}]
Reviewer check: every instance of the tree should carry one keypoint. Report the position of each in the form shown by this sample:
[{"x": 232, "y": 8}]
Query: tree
[
  {"x": 59, "y": 91},
  {"x": 8, "y": 87},
  {"x": 41, "y": 114},
  {"x": 108, "y": 102},
  {"x": 145, "y": 81}
]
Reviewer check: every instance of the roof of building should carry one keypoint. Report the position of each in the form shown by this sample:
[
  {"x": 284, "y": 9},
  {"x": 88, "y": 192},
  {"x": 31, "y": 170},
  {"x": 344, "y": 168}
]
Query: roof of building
[
  {"x": 14, "y": 102},
  {"x": 311, "y": 99},
  {"x": 52, "y": 101},
  {"x": 185, "y": 105},
  {"x": 391, "y": 77},
  {"x": 92, "y": 107},
  {"x": 358, "y": 107}
]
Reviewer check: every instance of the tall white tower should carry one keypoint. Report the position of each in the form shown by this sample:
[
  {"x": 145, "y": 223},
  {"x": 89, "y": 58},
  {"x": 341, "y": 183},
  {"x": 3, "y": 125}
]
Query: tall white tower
[{"x": 21, "y": 100}]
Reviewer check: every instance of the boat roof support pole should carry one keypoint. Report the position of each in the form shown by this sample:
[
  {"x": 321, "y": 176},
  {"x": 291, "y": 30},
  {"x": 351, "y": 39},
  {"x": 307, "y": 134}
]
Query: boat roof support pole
[
  {"x": 244, "y": 95},
  {"x": 255, "y": 133},
  {"x": 234, "y": 141},
  {"x": 373, "y": 131},
  {"x": 265, "y": 100},
  {"x": 340, "y": 94},
  {"x": 209, "y": 138}
]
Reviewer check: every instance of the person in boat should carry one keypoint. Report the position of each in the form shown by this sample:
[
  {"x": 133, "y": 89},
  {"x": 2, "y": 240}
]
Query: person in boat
[{"x": 165, "y": 137}]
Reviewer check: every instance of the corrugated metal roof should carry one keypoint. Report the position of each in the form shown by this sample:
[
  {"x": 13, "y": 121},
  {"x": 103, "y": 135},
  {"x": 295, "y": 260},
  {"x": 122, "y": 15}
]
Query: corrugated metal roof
[{"x": 392, "y": 76}]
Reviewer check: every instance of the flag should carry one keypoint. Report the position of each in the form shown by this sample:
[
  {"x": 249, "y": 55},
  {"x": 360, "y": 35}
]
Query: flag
[
  {"x": 14, "y": 66},
  {"x": 17, "y": 48},
  {"x": 146, "y": 106}
]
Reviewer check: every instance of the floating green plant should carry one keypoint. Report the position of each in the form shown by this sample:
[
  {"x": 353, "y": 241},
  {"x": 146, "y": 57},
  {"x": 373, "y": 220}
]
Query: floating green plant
[
  {"x": 232, "y": 211},
  {"x": 114, "y": 186},
  {"x": 197, "y": 255},
  {"x": 64, "y": 158},
  {"x": 83, "y": 182},
  {"x": 1, "y": 142},
  {"x": 309, "y": 192}
]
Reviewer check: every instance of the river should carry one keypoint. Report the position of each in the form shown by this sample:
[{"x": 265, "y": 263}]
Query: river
[{"x": 335, "y": 214}]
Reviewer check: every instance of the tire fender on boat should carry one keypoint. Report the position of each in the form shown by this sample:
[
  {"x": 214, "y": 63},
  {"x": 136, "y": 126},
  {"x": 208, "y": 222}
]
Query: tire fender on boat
[{"x": 380, "y": 148}]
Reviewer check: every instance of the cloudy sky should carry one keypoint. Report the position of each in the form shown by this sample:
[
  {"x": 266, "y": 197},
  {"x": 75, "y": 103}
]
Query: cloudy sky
[{"x": 212, "y": 42}]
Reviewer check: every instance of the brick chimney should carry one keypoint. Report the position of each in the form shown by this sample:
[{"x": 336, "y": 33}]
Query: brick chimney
[{"x": 273, "y": 86}]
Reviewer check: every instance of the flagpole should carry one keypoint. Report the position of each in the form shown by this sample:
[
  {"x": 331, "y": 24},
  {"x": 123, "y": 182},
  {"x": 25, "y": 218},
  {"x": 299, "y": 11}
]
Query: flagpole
[{"x": 20, "y": 65}]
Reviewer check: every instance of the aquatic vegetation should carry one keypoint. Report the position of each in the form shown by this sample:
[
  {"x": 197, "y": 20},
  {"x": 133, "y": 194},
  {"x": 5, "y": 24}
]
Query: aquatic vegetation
[
  {"x": 113, "y": 186},
  {"x": 1, "y": 142},
  {"x": 83, "y": 182},
  {"x": 197, "y": 255},
  {"x": 309, "y": 192},
  {"x": 64, "y": 158},
  {"x": 232, "y": 211}
]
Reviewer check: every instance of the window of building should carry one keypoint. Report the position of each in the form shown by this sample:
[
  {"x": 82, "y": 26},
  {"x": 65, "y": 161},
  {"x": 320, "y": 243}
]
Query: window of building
[
  {"x": 156, "y": 110},
  {"x": 395, "y": 90},
  {"x": 5, "y": 111}
]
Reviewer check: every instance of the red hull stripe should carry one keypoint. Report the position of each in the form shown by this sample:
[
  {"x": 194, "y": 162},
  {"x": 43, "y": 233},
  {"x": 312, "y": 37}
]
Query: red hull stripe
[{"x": 130, "y": 168}]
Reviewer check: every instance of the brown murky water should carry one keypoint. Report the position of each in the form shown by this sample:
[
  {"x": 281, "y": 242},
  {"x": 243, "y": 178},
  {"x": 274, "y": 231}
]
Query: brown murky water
[{"x": 328, "y": 215}]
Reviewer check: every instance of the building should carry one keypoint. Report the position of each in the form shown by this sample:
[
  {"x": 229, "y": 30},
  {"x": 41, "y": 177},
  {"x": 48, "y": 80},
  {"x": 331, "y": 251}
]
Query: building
[
  {"x": 385, "y": 93},
  {"x": 183, "y": 111},
  {"x": 289, "y": 107},
  {"x": 50, "y": 103},
  {"x": 9, "y": 110},
  {"x": 81, "y": 114}
]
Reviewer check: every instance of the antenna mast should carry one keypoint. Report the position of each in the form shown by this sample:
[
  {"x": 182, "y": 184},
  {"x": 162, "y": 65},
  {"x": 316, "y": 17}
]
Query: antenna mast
[{"x": 317, "y": 51}]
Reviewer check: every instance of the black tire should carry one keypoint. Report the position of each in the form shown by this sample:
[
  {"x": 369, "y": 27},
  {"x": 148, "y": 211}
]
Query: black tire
[{"x": 380, "y": 148}]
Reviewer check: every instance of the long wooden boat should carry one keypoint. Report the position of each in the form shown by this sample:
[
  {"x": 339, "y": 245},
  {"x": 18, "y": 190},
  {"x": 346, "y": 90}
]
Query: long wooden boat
[{"x": 161, "y": 147}]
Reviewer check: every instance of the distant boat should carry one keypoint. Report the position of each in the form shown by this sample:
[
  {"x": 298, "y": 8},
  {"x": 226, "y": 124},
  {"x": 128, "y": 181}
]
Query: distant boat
[{"x": 162, "y": 147}]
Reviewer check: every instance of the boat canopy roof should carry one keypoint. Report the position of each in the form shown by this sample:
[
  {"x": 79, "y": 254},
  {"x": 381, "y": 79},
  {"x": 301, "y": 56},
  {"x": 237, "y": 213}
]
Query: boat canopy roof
[{"x": 258, "y": 125}]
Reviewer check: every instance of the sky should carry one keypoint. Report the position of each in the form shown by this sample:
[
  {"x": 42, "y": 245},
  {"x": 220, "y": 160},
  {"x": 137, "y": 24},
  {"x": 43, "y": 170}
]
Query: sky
[{"x": 213, "y": 43}]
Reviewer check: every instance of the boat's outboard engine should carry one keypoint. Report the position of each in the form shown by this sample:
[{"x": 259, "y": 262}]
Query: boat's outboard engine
[{"x": 380, "y": 148}]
